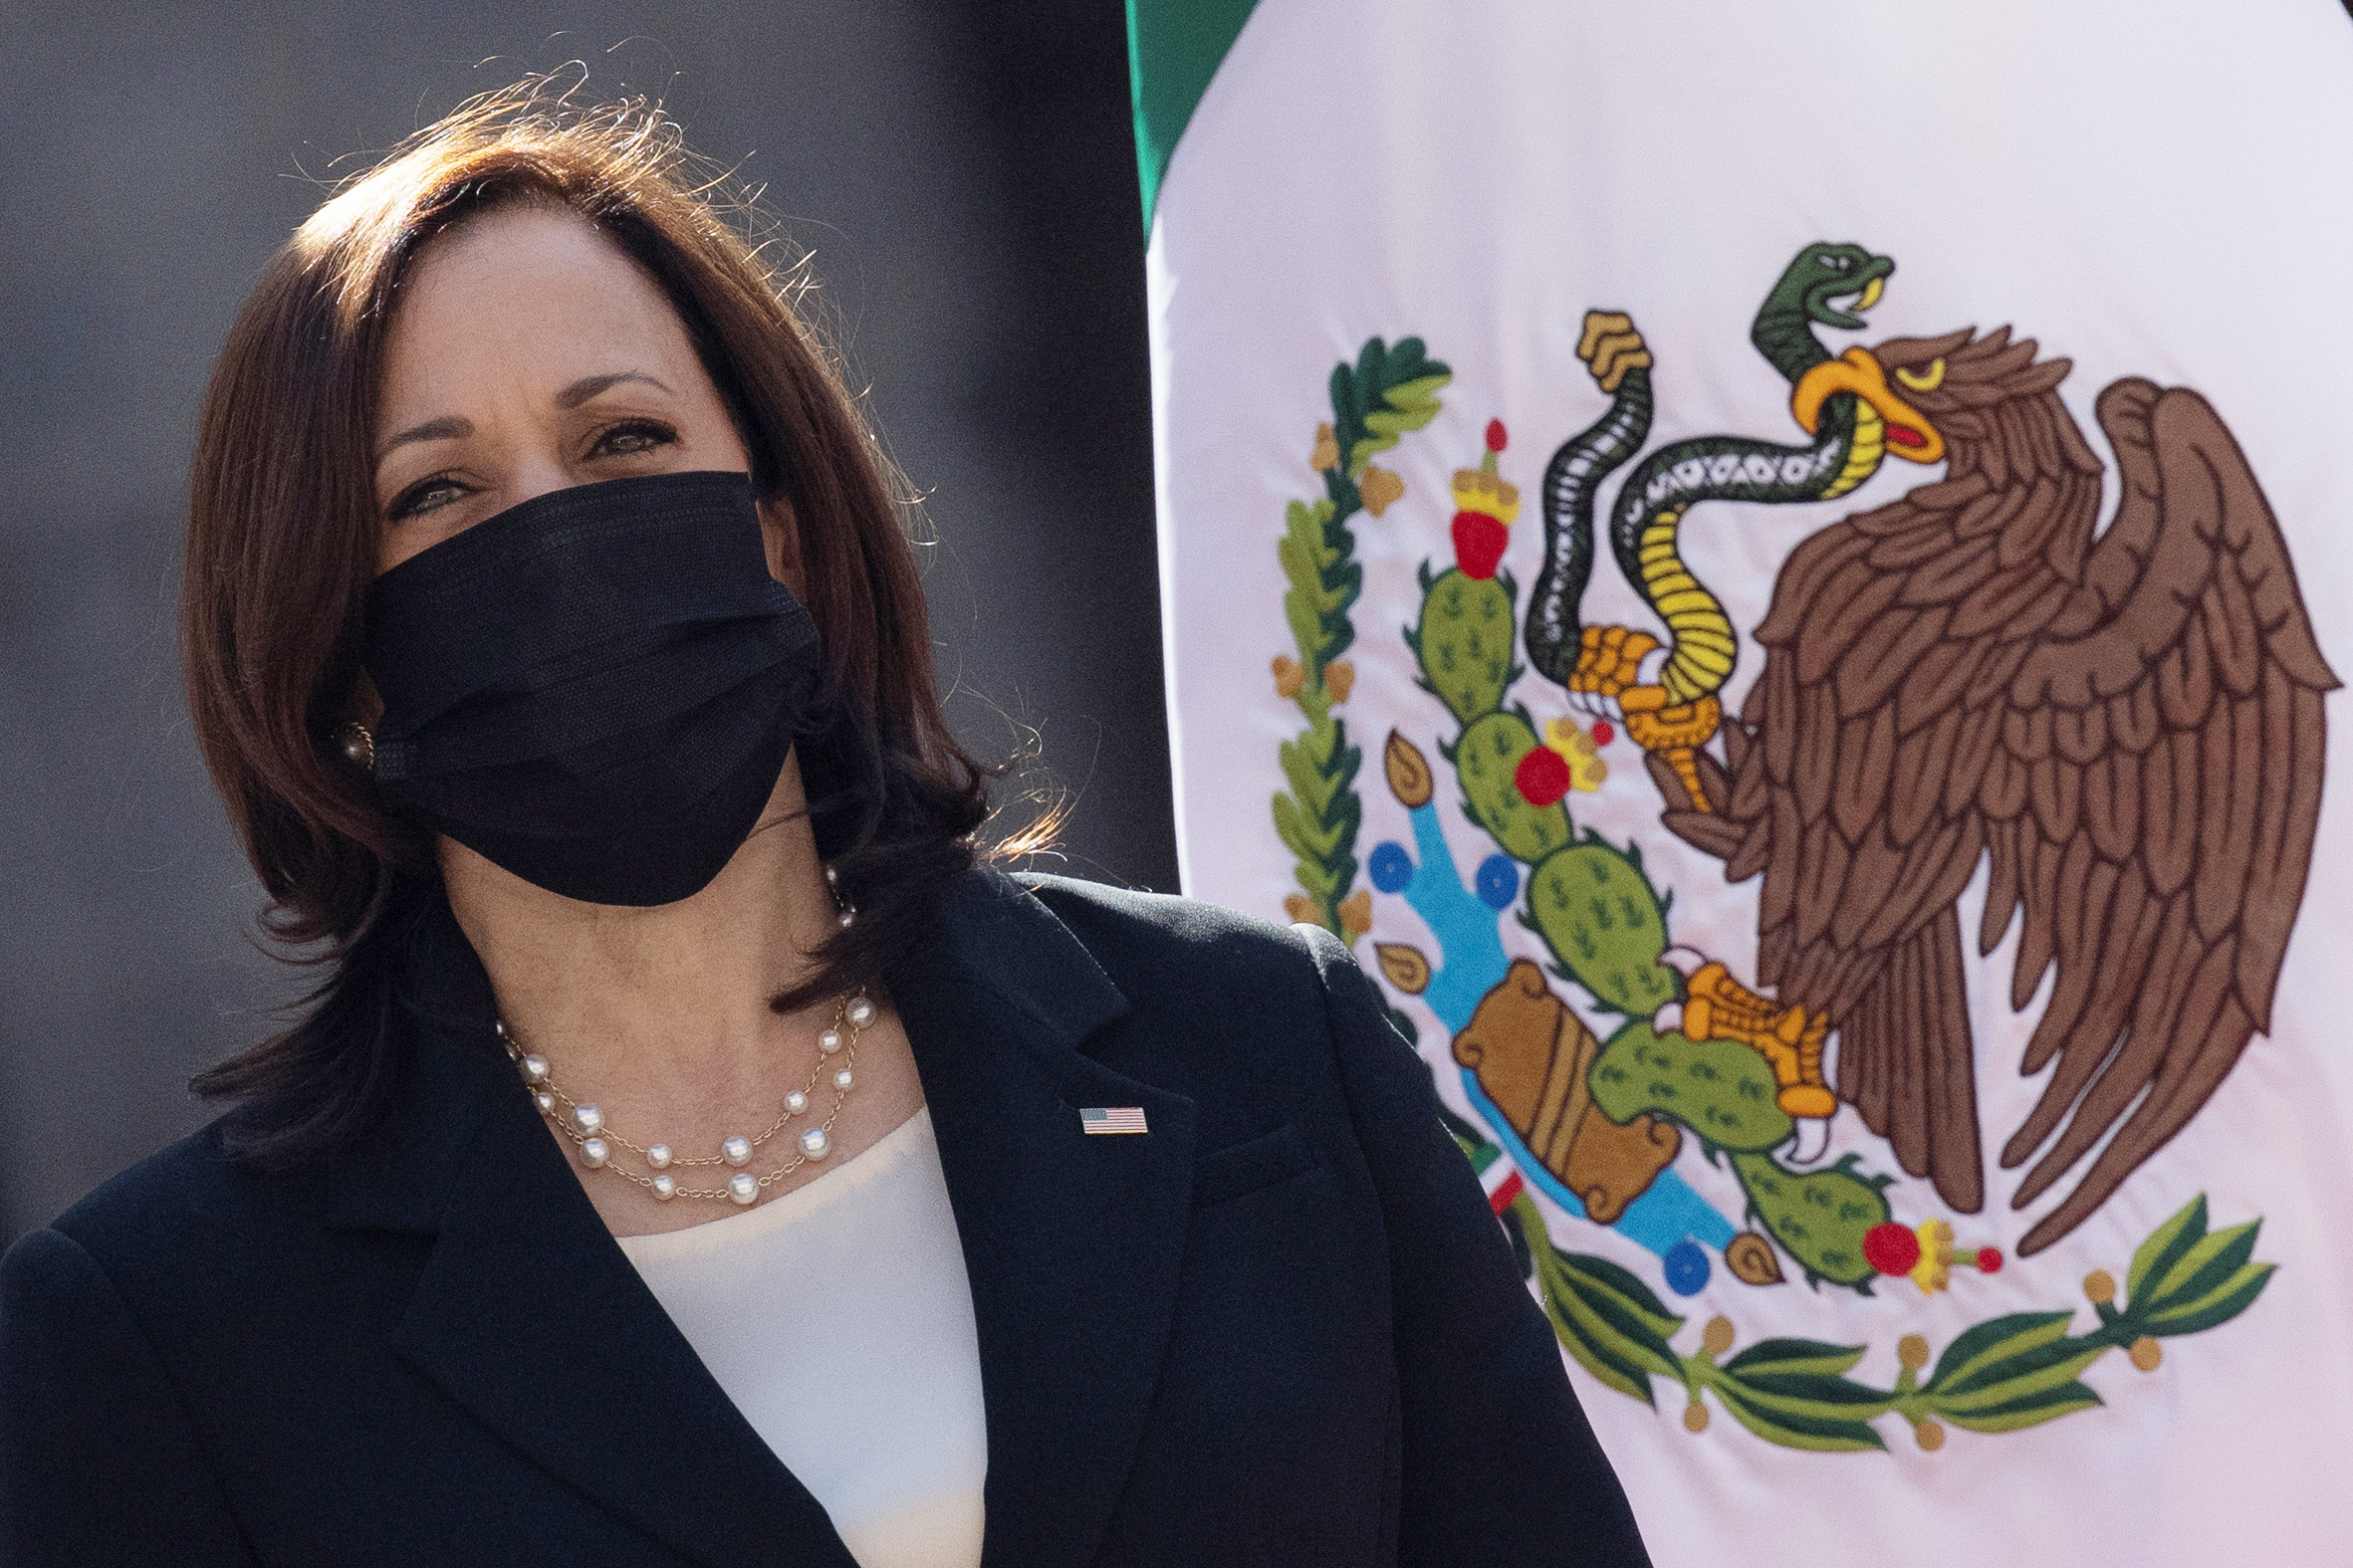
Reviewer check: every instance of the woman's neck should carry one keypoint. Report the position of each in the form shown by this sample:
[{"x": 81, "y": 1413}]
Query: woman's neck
[
  {"x": 640, "y": 1002},
  {"x": 660, "y": 1016}
]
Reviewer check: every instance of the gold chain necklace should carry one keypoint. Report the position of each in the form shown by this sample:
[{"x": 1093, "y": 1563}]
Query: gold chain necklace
[{"x": 595, "y": 1141}]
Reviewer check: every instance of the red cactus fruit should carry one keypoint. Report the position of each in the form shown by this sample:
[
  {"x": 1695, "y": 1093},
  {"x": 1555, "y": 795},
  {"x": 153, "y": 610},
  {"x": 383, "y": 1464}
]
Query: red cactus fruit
[
  {"x": 1989, "y": 1260},
  {"x": 1543, "y": 777},
  {"x": 1603, "y": 732},
  {"x": 1890, "y": 1248},
  {"x": 1497, "y": 440},
  {"x": 1479, "y": 542}
]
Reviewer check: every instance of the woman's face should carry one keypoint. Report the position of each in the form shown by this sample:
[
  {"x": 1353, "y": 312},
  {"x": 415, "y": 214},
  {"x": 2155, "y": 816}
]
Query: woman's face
[{"x": 527, "y": 354}]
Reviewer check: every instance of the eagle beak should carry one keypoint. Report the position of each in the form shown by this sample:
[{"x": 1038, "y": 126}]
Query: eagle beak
[{"x": 1909, "y": 434}]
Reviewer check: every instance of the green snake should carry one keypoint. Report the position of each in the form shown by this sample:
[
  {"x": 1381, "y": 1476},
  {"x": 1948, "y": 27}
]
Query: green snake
[{"x": 1849, "y": 440}]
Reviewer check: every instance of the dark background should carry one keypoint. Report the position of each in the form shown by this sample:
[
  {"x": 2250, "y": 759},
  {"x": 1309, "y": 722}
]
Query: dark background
[{"x": 965, "y": 175}]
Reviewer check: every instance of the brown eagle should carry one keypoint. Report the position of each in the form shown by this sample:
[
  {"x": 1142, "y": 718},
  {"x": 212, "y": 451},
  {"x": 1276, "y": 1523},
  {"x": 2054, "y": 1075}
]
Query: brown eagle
[{"x": 2126, "y": 720}]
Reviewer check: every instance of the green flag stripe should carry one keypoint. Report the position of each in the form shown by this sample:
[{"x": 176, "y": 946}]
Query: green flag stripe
[{"x": 1173, "y": 47}]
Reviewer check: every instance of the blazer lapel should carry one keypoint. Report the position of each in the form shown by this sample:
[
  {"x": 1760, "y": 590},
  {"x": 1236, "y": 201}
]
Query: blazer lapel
[
  {"x": 529, "y": 1318},
  {"x": 1074, "y": 1243}
]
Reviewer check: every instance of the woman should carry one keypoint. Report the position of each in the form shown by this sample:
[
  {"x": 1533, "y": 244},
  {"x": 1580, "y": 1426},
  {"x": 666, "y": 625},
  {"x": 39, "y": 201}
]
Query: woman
[{"x": 693, "y": 1154}]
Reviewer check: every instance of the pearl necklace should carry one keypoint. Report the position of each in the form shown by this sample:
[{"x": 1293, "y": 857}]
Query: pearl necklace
[{"x": 584, "y": 1124}]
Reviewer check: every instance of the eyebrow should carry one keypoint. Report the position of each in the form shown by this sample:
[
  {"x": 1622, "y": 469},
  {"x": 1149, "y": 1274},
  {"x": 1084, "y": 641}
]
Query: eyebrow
[
  {"x": 447, "y": 428},
  {"x": 589, "y": 386},
  {"x": 450, "y": 427}
]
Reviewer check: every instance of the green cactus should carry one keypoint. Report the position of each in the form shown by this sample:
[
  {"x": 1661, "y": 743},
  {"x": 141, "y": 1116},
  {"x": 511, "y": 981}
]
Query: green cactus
[
  {"x": 1724, "y": 1093},
  {"x": 1818, "y": 1217},
  {"x": 1487, "y": 760},
  {"x": 1603, "y": 921},
  {"x": 1720, "y": 1089},
  {"x": 1465, "y": 641}
]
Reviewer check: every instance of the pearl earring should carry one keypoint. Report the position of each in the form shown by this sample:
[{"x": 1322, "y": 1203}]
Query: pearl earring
[{"x": 357, "y": 745}]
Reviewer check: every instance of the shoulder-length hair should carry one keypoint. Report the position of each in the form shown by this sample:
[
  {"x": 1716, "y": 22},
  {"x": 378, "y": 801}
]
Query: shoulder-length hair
[{"x": 283, "y": 532}]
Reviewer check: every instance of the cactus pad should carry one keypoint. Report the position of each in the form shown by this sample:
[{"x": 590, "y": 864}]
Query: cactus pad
[
  {"x": 1599, "y": 915},
  {"x": 1720, "y": 1089},
  {"x": 1487, "y": 760},
  {"x": 1465, "y": 642},
  {"x": 1818, "y": 1217}
]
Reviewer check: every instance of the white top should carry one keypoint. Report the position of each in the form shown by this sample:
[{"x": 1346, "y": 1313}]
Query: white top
[{"x": 838, "y": 1319}]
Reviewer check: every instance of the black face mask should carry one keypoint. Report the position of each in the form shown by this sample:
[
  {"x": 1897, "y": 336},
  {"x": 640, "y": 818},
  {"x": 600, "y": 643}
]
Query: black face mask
[{"x": 595, "y": 689}]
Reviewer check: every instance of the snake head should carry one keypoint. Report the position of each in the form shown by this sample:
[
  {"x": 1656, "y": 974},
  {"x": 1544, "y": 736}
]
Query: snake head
[{"x": 1824, "y": 278}]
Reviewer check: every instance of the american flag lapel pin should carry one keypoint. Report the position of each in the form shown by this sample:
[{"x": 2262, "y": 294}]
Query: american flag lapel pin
[{"x": 1112, "y": 1119}]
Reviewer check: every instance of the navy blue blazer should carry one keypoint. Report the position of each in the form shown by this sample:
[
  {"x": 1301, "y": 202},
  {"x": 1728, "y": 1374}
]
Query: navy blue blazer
[{"x": 1280, "y": 1328}]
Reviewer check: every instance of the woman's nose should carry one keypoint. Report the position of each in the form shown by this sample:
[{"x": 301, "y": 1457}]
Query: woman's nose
[{"x": 539, "y": 473}]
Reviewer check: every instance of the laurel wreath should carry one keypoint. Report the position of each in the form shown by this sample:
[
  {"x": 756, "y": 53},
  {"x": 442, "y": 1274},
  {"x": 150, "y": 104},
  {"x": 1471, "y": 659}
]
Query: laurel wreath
[
  {"x": 2010, "y": 1372},
  {"x": 1387, "y": 392}
]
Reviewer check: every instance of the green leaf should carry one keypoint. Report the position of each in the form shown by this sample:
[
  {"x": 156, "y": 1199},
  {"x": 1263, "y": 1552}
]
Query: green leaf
[
  {"x": 2214, "y": 1259},
  {"x": 1626, "y": 1379},
  {"x": 2029, "y": 1411},
  {"x": 1307, "y": 629},
  {"x": 1599, "y": 1273},
  {"x": 1799, "y": 1432},
  {"x": 1419, "y": 393},
  {"x": 1401, "y": 418},
  {"x": 1324, "y": 885},
  {"x": 1324, "y": 581},
  {"x": 1387, "y": 392},
  {"x": 1291, "y": 828},
  {"x": 2165, "y": 1246},
  {"x": 1771, "y": 1356},
  {"x": 1410, "y": 362},
  {"x": 1573, "y": 1324},
  {"x": 1319, "y": 781},
  {"x": 2019, "y": 1377},
  {"x": 1305, "y": 837},
  {"x": 1810, "y": 1396},
  {"x": 1348, "y": 404},
  {"x": 1304, "y": 772},
  {"x": 1304, "y": 568},
  {"x": 1980, "y": 1352},
  {"x": 1343, "y": 859},
  {"x": 1305, "y": 531},
  {"x": 1603, "y": 1317},
  {"x": 1342, "y": 588},
  {"x": 2218, "y": 1306},
  {"x": 1320, "y": 598}
]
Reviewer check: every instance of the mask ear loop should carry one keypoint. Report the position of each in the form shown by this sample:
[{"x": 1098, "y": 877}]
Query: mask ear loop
[{"x": 357, "y": 745}]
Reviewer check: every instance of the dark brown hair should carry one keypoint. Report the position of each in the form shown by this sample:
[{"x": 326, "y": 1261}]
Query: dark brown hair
[{"x": 282, "y": 545}]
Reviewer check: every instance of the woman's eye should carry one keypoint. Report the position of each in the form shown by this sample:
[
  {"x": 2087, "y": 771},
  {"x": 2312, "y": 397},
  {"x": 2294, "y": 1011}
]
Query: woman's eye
[
  {"x": 426, "y": 494},
  {"x": 630, "y": 438}
]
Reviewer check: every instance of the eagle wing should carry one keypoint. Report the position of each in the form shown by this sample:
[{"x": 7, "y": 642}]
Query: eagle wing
[{"x": 2132, "y": 732}]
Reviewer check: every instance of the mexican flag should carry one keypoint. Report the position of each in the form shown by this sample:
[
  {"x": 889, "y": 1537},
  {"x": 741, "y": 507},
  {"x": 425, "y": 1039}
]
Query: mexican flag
[{"x": 1781, "y": 574}]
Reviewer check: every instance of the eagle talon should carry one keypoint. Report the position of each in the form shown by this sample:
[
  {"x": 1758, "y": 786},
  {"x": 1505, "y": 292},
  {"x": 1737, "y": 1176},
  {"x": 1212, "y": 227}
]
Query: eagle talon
[
  {"x": 1676, "y": 731},
  {"x": 1609, "y": 663},
  {"x": 1656, "y": 725},
  {"x": 1611, "y": 347},
  {"x": 1808, "y": 1101},
  {"x": 1717, "y": 1007}
]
